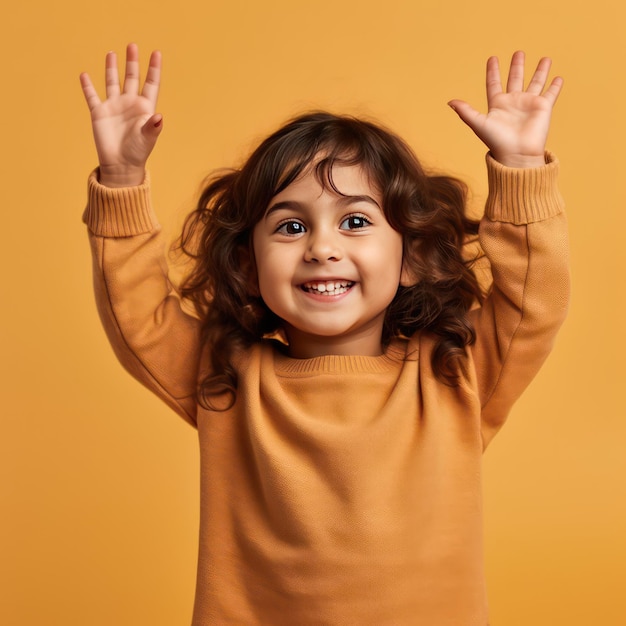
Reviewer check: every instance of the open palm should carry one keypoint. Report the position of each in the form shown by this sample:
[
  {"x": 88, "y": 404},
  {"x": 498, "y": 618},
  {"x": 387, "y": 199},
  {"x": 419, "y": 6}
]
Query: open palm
[
  {"x": 125, "y": 126},
  {"x": 515, "y": 127}
]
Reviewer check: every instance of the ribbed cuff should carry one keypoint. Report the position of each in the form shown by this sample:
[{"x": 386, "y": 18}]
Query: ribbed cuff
[
  {"x": 523, "y": 195},
  {"x": 118, "y": 212}
]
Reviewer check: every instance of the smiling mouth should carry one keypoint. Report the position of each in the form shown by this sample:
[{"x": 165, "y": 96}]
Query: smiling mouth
[{"x": 328, "y": 287}]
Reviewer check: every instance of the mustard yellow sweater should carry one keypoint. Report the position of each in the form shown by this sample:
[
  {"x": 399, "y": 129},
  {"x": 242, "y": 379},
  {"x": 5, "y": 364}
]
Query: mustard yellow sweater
[{"x": 342, "y": 490}]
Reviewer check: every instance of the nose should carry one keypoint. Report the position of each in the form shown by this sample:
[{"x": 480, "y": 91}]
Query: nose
[{"x": 323, "y": 247}]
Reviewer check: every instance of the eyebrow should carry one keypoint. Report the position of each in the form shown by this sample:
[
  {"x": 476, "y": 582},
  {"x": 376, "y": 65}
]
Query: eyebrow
[{"x": 343, "y": 201}]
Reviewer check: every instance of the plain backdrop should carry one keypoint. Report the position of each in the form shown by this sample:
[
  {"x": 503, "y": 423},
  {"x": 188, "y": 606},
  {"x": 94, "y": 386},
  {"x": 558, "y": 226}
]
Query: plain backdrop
[{"x": 98, "y": 479}]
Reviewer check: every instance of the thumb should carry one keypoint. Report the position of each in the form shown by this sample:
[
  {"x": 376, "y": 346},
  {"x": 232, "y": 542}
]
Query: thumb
[
  {"x": 152, "y": 128},
  {"x": 467, "y": 113}
]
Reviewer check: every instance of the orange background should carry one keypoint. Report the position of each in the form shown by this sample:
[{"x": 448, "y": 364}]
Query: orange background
[{"x": 98, "y": 479}]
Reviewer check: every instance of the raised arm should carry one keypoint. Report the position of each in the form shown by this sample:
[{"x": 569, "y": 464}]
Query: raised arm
[
  {"x": 155, "y": 340},
  {"x": 523, "y": 234}
]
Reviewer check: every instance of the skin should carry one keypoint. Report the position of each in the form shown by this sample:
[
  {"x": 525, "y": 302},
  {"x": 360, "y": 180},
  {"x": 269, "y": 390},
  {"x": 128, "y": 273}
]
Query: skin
[
  {"x": 312, "y": 238},
  {"x": 514, "y": 129},
  {"x": 125, "y": 125}
]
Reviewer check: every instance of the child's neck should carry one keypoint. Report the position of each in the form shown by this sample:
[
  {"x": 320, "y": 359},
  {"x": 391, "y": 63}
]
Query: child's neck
[{"x": 305, "y": 346}]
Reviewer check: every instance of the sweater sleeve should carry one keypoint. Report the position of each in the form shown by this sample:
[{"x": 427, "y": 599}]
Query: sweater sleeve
[
  {"x": 524, "y": 236},
  {"x": 154, "y": 339}
]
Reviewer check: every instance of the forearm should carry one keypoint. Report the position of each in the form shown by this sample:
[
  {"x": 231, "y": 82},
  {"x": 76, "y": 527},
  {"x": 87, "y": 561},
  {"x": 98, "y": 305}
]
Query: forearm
[
  {"x": 140, "y": 310},
  {"x": 524, "y": 235}
]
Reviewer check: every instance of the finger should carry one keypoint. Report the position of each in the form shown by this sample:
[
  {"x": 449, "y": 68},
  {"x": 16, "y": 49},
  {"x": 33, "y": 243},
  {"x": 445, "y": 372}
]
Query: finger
[
  {"x": 131, "y": 76},
  {"x": 467, "y": 113},
  {"x": 111, "y": 76},
  {"x": 553, "y": 91},
  {"x": 89, "y": 91},
  {"x": 151, "y": 130},
  {"x": 515, "y": 81},
  {"x": 153, "y": 78},
  {"x": 494, "y": 84},
  {"x": 540, "y": 77},
  {"x": 153, "y": 127}
]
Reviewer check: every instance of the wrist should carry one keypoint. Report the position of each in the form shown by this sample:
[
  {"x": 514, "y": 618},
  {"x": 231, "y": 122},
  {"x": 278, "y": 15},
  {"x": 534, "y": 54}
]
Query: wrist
[
  {"x": 121, "y": 176},
  {"x": 520, "y": 160}
]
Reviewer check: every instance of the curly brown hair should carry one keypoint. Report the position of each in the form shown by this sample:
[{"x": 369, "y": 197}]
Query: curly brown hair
[{"x": 428, "y": 210}]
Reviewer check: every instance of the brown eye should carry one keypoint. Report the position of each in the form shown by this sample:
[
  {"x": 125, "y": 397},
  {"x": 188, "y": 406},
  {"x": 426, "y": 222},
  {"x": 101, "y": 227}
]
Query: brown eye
[
  {"x": 354, "y": 222},
  {"x": 291, "y": 228}
]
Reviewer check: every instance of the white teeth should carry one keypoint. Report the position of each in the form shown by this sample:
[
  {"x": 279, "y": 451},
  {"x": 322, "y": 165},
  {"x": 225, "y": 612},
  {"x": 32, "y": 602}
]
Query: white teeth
[{"x": 329, "y": 288}]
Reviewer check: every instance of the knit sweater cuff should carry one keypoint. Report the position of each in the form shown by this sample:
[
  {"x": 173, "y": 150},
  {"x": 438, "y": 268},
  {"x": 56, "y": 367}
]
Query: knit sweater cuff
[
  {"x": 523, "y": 195},
  {"x": 119, "y": 212}
]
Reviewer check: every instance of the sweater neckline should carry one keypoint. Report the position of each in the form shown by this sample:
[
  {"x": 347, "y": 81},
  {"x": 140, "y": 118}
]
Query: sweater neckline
[{"x": 394, "y": 354}]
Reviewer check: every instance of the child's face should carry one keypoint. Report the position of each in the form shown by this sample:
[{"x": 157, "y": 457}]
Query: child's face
[{"x": 329, "y": 265}]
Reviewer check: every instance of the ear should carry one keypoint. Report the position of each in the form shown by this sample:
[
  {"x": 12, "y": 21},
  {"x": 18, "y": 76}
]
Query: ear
[{"x": 408, "y": 276}]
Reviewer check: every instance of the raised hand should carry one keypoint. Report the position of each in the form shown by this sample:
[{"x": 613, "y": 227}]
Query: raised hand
[
  {"x": 125, "y": 125},
  {"x": 515, "y": 127}
]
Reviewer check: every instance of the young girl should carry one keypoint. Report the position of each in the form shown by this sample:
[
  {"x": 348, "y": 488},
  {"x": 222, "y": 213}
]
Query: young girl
[{"x": 343, "y": 371}]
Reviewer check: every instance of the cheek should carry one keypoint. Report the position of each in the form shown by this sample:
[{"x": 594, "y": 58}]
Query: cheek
[
  {"x": 273, "y": 273},
  {"x": 389, "y": 255}
]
